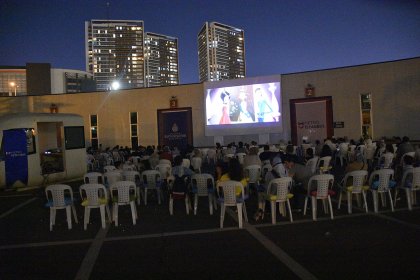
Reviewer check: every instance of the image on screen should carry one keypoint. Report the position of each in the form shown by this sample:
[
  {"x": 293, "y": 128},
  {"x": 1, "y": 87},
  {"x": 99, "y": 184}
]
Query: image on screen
[{"x": 246, "y": 104}]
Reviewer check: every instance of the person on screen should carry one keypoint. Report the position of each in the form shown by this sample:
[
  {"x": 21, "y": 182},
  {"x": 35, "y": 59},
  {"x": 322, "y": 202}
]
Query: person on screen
[
  {"x": 262, "y": 105},
  {"x": 225, "y": 119},
  {"x": 244, "y": 115}
]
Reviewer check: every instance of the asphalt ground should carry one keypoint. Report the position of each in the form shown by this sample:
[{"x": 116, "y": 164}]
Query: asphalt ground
[{"x": 160, "y": 246}]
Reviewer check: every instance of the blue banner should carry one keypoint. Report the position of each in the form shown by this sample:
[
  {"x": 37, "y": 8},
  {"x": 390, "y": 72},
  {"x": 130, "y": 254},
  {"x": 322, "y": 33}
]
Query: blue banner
[
  {"x": 175, "y": 126},
  {"x": 16, "y": 158}
]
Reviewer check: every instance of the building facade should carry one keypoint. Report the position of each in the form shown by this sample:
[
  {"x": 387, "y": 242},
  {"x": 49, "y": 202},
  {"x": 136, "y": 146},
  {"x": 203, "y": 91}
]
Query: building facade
[
  {"x": 71, "y": 81},
  {"x": 40, "y": 79},
  {"x": 12, "y": 80},
  {"x": 115, "y": 52},
  {"x": 221, "y": 52},
  {"x": 111, "y": 117},
  {"x": 161, "y": 60}
]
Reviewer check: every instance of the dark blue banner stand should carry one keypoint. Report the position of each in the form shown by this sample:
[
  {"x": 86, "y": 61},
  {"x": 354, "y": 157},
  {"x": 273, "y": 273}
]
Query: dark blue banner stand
[{"x": 16, "y": 158}]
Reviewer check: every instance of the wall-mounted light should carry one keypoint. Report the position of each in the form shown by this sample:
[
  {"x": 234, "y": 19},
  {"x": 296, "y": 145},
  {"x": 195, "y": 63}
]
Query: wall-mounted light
[
  {"x": 173, "y": 103},
  {"x": 53, "y": 108},
  {"x": 309, "y": 90}
]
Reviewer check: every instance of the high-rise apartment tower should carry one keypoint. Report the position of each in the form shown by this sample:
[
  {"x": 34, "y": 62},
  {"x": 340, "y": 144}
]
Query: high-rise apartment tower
[
  {"x": 115, "y": 52},
  {"x": 161, "y": 60},
  {"x": 221, "y": 52}
]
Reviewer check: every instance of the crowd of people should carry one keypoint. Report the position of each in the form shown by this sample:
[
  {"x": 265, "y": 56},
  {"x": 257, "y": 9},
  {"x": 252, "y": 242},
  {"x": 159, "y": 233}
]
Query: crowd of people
[{"x": 284, "y": 159}]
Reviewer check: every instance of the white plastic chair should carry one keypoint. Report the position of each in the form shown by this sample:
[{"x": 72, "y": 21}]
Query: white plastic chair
[
  {"x": 94, "y": 178},
  {"x": 196, "y": 163},
  {"x": 60, "y": 197},
  {"x": 312, "y": 163},
  {"x": 129, "y": 167},
  {"x": 109, "y": 168},
  {"x": 360, "y": 151},
  {"x": 411, "y": 154},
  {"x": 126, "y": 193},
  {"x": 134, "y": 176},
  {"x": 280, "y": 195},
  {"x": 165, "y": 161},
  {"x": 351, "y": 154},
  {"x": 186, "y": 163},
  {"x": 177, "y": 196},
  {"x": 386, "y": 160},
  {"x": 410, "y": 190},
  {"x": 241, "y": 157},
  {"x": 369, "y": 155},
  {"x": 164, "y": 169},
  {"x": 253, "y": 172},
  {"x": 203, "y": 185},
  {"x": 384, "y": 176},
  {"x": 94, "y": 196},
  {"x": 343, "y": 152},
  {"x": 151, "y": 180},
  {"x": 304, "y": 148},
  {"x": 228, "y": 198},
  {"x": 358, "y": 187},
  {"x": 212, "y": 155},
  {"x": 323, "y": 165},
  {"x": 324, "y": 183},
  {"x": 265, "y": 169},
  {"x": 112, "y": 177}
]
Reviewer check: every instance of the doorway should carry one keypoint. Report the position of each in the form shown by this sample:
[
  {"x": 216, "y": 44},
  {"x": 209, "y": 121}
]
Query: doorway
[{"x": 50, "y": 139}]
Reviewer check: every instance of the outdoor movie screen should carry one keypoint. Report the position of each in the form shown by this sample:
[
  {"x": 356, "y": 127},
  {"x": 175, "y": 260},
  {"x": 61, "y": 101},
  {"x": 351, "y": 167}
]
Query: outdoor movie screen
[{"x": 234, "y": 109}]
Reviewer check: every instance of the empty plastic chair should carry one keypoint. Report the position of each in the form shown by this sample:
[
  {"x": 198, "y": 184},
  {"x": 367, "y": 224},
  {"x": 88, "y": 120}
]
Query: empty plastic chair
[
  {"x": 134, "y": 176},
  {"x": 203, "y": 186},
  {"x": 94, "y": 178},
  {"x": 60, "y": 197},
  {"x": 123, "y": 193},
  {"x": 151, "y": 180},
  {"x": 411, "y": 184},
  {"x": 94, "y": 196}
]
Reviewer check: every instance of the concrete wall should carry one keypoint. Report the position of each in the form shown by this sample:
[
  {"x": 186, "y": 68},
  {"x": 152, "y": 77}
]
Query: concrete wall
[{"x": 395, "y": 89}]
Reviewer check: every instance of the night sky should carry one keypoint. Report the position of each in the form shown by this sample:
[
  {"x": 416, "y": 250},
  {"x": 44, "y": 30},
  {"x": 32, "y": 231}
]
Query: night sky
[{"x": 281, "y": 36}]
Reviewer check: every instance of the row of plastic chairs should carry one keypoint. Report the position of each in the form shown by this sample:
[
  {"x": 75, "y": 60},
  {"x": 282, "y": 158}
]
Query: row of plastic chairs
[
  {"x": 93, "y": 195},
  {"x": 380, "y": 184}
]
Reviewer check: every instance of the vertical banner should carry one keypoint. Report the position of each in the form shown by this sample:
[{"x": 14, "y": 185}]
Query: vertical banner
[
  {"x": 16, "y": 158},
  {"x": 175, "y": 128},
  {"x": 311, "y": 118},
  {"x": 311, "y": 121}
]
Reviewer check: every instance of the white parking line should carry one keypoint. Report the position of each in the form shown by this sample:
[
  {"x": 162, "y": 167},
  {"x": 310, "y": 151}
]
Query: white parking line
[
  {"x": 92, "y": 254},
  {"x": 17, "y": 207},
  {"x": 281, "y": 255},
  {"x": 44, "y": 244}
]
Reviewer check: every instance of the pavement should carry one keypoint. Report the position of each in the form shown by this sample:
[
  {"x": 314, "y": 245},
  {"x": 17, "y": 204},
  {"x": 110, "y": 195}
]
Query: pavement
[{"x": 360, "y": 245}]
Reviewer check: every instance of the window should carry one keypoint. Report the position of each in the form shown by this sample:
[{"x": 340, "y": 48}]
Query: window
[
  {"x": 74, "y": 137},
  {"x": 366, "y": 107},
  {"x": 133, "y": 130},
  {"x": 94, "y": 131}
]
